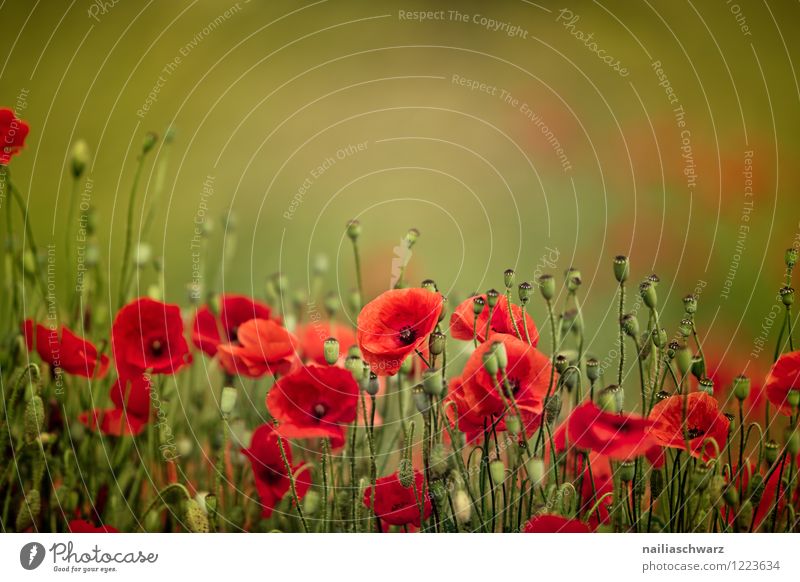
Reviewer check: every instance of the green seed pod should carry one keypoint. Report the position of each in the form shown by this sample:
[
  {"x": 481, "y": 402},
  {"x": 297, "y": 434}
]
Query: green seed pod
[
  {"x": 630, "y": 325},
  {"x": 194, "y": 517},
  {"x": 790, "y": 258},
  {"x": 508, "y": 278},
  {"x": 490, "y": 363},
  {"x": 741, "y": 387},
  {"x": 612, "y": 399},
  {"x": 690, "y": 304},
  {"x": 621, "y": 268},
  {"x": 573, "y": 280},
  {"x": 672, "y": 349},
  {"x": 478, "y": 303},
  {"x": 792, "y": 440},
  {"x": 593, "y": 371},
  {"x": 443, "y": 312},
  {"x": 80, "y": 158},
  {"x": 412, "y": 235},
  {"x": 34, "y": 418},
  {"x": 547, "y": 284},
  {"x": 731, "y": 496},
  {"x": 437, "y": 343},
  {"x": 525, "y": 291},
  {"x": 771, "y": 449},
  {"x": 29, "y": 510},
  {"x": 744, "y": 517},
  {"x": 421, "y": 399},
  {"x": 429, "y": 285},
  {"x": 353, "y": 229},
  {"x": 432, "y": 383},
  {"x": 227, "y": 401},
  {"x": 150, "y": 140},
  {"x": 311, "y": 502},
  {"x": 492, "y": 296},
  {"x": 706, "y": 385},
  {"x": 513, "y": 424},
  {"x": 561, "y": 363},
  {"x": 370, "y": 383},
  {"x": 330, "y": 348},
  {"x": 407, "y": 365},
  {"x": 497, "y": 471},
  {"x": 648, "y": 292},
  {"x": 406, "y": 473},
  {"x": 787, "y": 296},
  {"x": 662, "y": 395},
  {"x": 756, "y": 488},
  {"x": 356, "y": 367},
  {"x": 660, "y": 338},
  {"x": 535, "y": 470},
  {"x": 626, "y": 471}
]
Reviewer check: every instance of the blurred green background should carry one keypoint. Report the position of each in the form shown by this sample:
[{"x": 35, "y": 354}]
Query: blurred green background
[{"x": 551, "y": 158}]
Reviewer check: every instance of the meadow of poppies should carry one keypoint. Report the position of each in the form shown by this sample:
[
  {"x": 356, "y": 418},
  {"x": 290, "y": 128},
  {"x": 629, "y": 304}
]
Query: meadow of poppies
[{"x": 230, "y": 412}]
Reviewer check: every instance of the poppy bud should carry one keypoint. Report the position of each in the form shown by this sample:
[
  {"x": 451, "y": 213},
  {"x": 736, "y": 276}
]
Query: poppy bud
[
  {"x": 227, "y": 400},
  {"x": 771, "y": 451},
  {"x": 462, "y": 506},
  {"x": 439, "y": 463},
  {"x": 490, "y": 363},
  {"x": 706, "y": 385},
  {"x": 330, "y": 347},
  {"x": 478, "y": 304},
  {"x": 525, "y": 291},
  {"x": 790, "y": 257},
  {"x": 593, "y": 370},
  {"x": 744, "y": 517},
  {"x": 660, "y": 338},
  {"x": 612, "y": 398},
  {"x": 411, "y": 236},
  {"x": 355, "y": 366},
  {"x": 793, "y": 398},
  {"x": 715, "y": 488},
  {"x": 552, "y": 408},
  {"x": 684, "y": 360},
  {"x": 792, "y": 438},
  {"x": 29, "y": 510},
  {"x": 432, "y": 382},
  {"x": 621, "y": 268},
  {"x": 436, "y": 343},
  {"x": 698, "y": 367},
  {"x": 534, "y": 467},
  {"x": 406, "y": 472},
  {"x": 701, "y": 476},
  {"x": 195, "y": 518},
  {"x": 741, "y": 387},
  {"x": 513, "y": 424},
  {"x": 627, "y": 470},
  {"x": 421, "y": 400},
  {"x": 648, "y": 292},
  {"x": 311, "y": 502},
  {"x": 756, "y": 487},
  {"x": 492, "y": 296},
  {"x": 574, "y": 283},
  {"x": 150, "y": 140},
  {"x": 731, "y": 496},
  {"x": 429, "y": 285},
  {"x": 630, "y": 325},
  {"x": 547, "y": 284},
  {"x": 508, "y": 278},
  {"x": 497, "y": 471},
  {"x": 80, "y": 158},
  {"x": 499, "y": 350},
  {"x": 353, "y": 229},
  {"x": 34, "y": 418},
  {"x": 787, "y": 296},
  {"x": 561, "y": 363},
  {"x": 690, "y": 304}
]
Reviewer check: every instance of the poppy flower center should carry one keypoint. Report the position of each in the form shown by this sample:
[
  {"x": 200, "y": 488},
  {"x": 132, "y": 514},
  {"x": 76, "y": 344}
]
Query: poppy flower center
[
  {"x": 407, "y": 335},
  {"x": 695, "y": 432},
  {"x": 319, "y": 410},
  {"x": 514, "y": 384},
  {"x": 156, "y": 347},
  {"x": 233, "y": 333}
]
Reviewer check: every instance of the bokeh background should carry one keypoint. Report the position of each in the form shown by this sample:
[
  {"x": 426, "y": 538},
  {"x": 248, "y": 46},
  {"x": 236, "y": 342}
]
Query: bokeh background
[{"x": 497, "y": 129}]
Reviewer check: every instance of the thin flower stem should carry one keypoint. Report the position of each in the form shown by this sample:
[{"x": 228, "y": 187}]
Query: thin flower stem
[
  {"x": 126, "y": 253},
  {"x": 511, "y": 315},
  {"x": 292, "y": 485},
  {"x": 357, "y": 258},
  {"x": 621, "y": 334}
]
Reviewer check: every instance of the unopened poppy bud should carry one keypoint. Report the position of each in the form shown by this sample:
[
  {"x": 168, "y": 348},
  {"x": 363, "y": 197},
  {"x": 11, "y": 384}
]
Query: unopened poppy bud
[
  {"x": 437, "y": 343},
  {"x": 462, "y": 506},
  {"x": 353, "y": 229},
  {"x": 744, "y": 516},
  {"x": 355, "y": 366},
  {"x": 195, "y": 518},
  {"x": 490, "y": 363},
  {"x": 429, "y": 285},
  {"x": 660, "y": 338},
  {"x": 787, "y": 296},
  {"x": 150, "y": 141},
  {"x": 534, "y": 468},
  {"x": 405, "y": 472},
  {"x": 499, "y": 350},
  {"x": 29, "y": 510},
  {"x": 552, "y": 408},
  {"x": 34, "y": 418},
  {"x": 439, "y": 463},
  {"x": 432, "y": 382},
  {"x": 771, "y": 449},
  {"x": 790, "y": 258},
  {"x": 311, "y": 502},
  {"x": 792, "y": 438},
  {"x": 627, "y": 471},
  {"x": 621, "y": 268},
  {"x": 698, "y": 367},
  {"x": 793, "y": 398},
  {"x": 525, "y": 291},
  {"x": 593, "y": 369},
  {"x": 756, "y": 486},
  {"x": 612, "y": 398},
  {"x": 684, "y": 360},
  {"x": 547, "y": 284},
  {"x": 492, "y": 295},
  {"x": 497, "y": 470},
  {"x": 630, "y": 325},
  {"x": 421, "y": 400},
  {"x": 561, "y": 363},
  {"x": 508, "y": 278},
  {"x": 706, "y": 385},
  {"x": 80, "y": 158},
  {"x": 411, "y": 236},
  {"x": 741, "y": 387},
  {"x": 715, "y": 488},
  {"x": 478, "y": 303},
  {"x": 648, "y": 292},
  {"x": 574, "y": 283},
  {"x": 731, "y": 496},
  {"x": 227, "y": 400},
  {"x": 330, "y": 347},
  {"x": 701, "y": 476},
  {"x": 513, "y": 424},
  {"x": 685, "y": 327},
  {"x": 690, "y": 304}
]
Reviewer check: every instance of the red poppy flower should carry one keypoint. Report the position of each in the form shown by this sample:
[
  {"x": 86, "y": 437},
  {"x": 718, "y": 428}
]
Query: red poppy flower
[
  {"x": 783, "y": 379},
  {"x": 395, "y": 324},
  {"x": 262, "y": 347},
  {"x": 462, "y": 321},
  {"x": 130, "y": 413},
  {"x": 13, "y": 132},
  {"x": 395, "y": 504},
  {"x": 528, "y": 374},
  {"x": 148, "y": 335},
  {"x": 234, "y": 310},
  {"x": 314, "y": 401},
  {"x": 618, "y": 436},
  {"x": 272, "y": 480},
  {"x": 704, "y": 421},
  {"x": 68, "y": 353},
  {"x": 313, "y": 335},
  {"x": 84, "y": 526},
  {"x": 550, "y": 523}
]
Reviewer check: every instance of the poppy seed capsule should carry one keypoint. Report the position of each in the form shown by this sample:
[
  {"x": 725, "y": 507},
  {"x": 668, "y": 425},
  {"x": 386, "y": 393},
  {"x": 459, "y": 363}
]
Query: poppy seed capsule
[
  {"x": 525, "y": 291},
  {"x": 478, "y": 303},
  {"x": 497, "y": 470},
  {"x": 432, "y": 382},
  {"x": 672, "y": 349},
  {"x": 792, "y": 438},
  {"x": 436, "y": 343},
  {"x": 227, "y": 401},
  {"x": 353, "y": 229},
  {"x": 627, "y": 469},
  {"x": 421, "y": 400},
  {"x": 790, "y": 258},
  {"x": 630, "y": 325},
  {"x": 648, "y": 292},
  {"x": 547, "y": 284},
  {"x": 685, "y": 327},
  {"x": 492, "y": 295},
  {"x": 508, "y": 278},
  {"x": 561, "y": 363},
  {"x": 787, "y": 296},
  {"x": 690, "y": 304},
  {"x": 429, "y": 285},
  {"x": 574, "y": 283},
  {"x": 731, "y": 423},
  {"x": 662, "y": 395},
  {"x": 706, "y": 385},
  {"x": 80, "y": 158},
  {"x": 490, "y": 363},
  {"x": 741, "y": 387},
  {"x": 330, "y": 347},
  {"x": 150, "y": 140},
  {"x": 411, "y": 236},
  {"x": 372, "y": 385},
  {"x": 612, "y": 398},
  {"x": 355, "y": 366},
  {"x": 660, "y": 338},
  {"x": 621, "y": 268},
  {"x": 593, "y": 369}
]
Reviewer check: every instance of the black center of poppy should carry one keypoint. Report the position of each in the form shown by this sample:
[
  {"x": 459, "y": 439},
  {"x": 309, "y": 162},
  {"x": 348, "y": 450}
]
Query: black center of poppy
[
  {"x": 319, "y": 410},
  {"x": 407, "y": 335},
  {"x": 514, "y": 384},
  {"x": 156, "y": 347},
  {"x": 694, "y": 432},
  {"x": 233, "y": 333}
]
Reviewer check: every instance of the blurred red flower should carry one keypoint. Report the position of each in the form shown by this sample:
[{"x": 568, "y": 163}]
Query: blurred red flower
[
  {"x": 703, "y": 421},
  {"x": 68, "y": 353},
  {"x": 84, "y": 526},
  {"x": 131, "y": 410},
  {"x": 147, "y": 335},
  {"x": 784, "y": 379},
  {"x": 13, "y": 132},
  {"x": 262, "y": 346},
  {"x": 234, "y": 310},
  {"x": 551, "y": 523},
  {"x": 314, "y": 401},
  {"x": 463, "y": 319},
  {"x": 398, "y": 505},
  {"x": 618, "y": 436},
  {"x": 313, "y": 335},
  {"x": 528, "y": 374},
  {"x": 272, "y": 480},
  {"x": 395, "y": 324}
]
